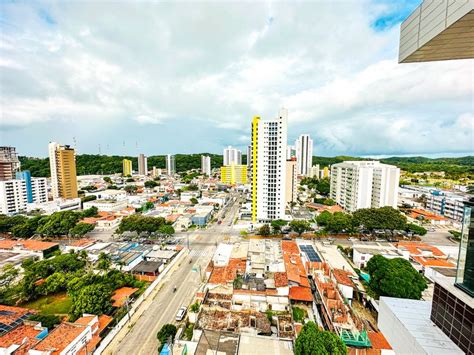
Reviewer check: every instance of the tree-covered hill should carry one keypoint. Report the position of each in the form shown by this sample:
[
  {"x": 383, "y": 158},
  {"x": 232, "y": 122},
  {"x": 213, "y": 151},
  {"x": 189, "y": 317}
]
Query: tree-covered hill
[{"x": 105, "y": 164}]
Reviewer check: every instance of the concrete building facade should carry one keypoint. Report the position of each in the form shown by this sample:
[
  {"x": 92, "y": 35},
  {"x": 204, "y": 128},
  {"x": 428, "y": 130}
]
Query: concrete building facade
[
  {"x": 13, "y": 197},
  {"x": 291, "y": 180},
  {"x": 127, "y": 168},
  {"x": 364, "y": 184},
  {"x": 206, "y": 165},
  {"x": 438, "y": 30},
  {"x": 268, "y": 162},
  {"x": 232, "y": 156},
  {"x": 9, "y": 163},
  {"x": 170, "y": 164},
  {"x": 304, "y": 154},
  {"x": 62, "y": 162},
  {"x": 142, "y": 164},
  {"x": 234, "y": 174}
]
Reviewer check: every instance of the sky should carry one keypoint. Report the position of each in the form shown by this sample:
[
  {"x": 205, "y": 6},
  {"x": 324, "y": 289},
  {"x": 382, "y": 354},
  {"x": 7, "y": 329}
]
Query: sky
[{"x": 187, "y": 77}]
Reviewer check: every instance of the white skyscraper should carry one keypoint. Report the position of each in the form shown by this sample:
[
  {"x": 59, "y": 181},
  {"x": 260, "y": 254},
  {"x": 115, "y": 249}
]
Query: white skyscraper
[
  {"x": 232, "y": 156},
  {"x": 268, "y": 167},
  {"x": 364, "y": 184},
  {"x": 170, "y": 164},
  {"x": 304, "y": 154},
  {"x": 206, "y": 165}
]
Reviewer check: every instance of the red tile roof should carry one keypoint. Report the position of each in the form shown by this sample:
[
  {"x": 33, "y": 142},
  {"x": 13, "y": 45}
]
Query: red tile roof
[
  {"x": 342, "y": 277},
  {"x": 34, "y": 245},
  {"x": 226, "y": 274},
  {"x": 281, "y": 279},
  {"x": 9, "y": 314},
  {"x": 415, "y": 213},
  {"x": 104, "y": 321},
  {"x": 433, "y": 262},
  {"x": 18, "y": 335},
  {"x": 378, "y": 341},
  {"x": 415, "y": 248},
  {"x": 298, "y": 293},
  {"x": 120, "y": 295},
  {"x": 60, "y": 337}
]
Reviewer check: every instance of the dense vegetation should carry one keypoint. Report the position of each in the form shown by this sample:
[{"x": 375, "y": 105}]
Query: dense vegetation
[
  {"x": 90, "y": 292},
  {"x": 369, "y": 219},
  {"x": 311, "y": 340},
  {"x": 139, "y": 224},
  {"x": 54, "y": 225},
  {"x": 105, "y": 164},
  {"x": 394, "y": 278}
]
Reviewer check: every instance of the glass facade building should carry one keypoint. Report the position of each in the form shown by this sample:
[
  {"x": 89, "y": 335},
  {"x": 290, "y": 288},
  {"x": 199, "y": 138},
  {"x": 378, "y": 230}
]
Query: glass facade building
[
  {"x": 465, "y": 270},
  {"x": 26, "y": 175}
]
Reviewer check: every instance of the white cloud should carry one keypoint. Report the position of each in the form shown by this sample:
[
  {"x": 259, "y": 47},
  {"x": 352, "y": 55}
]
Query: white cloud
[{"x": 219, "y": 64}]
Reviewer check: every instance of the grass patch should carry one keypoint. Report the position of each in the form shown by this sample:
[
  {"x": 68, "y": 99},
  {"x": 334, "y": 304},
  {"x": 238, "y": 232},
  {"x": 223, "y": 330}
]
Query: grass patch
[{"x": 58, "y": 304}]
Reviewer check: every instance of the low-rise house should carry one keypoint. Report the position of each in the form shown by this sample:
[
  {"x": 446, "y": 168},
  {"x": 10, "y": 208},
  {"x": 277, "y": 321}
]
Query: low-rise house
[
  {"x": 361, "y": 254},
  {"x": 30, "y": 247},
  {"x": 106, "y": 205},
  {"x": 57, "y": 205}
]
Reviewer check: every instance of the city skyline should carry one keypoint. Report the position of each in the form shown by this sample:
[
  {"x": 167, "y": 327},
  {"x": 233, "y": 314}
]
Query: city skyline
[{"x": 348, "y": 92}]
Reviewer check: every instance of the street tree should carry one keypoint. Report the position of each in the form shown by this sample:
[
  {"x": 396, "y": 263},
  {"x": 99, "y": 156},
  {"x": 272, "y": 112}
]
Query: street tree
[
  {"x": 264, "y": 230},
  {"x": 104, "y": 261},
  {"x": 300, "y": 226},
  {"x": 395, "y": 278},
  {"x": 167, "y": 332},
  {"x": 92, "y": 299},
  {"x": 81, "y": 229},
  {"x": 277, "y": 225},
  {"x": 311, "y": 341}
]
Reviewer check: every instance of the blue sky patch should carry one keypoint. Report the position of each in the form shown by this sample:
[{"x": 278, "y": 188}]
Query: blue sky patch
[{"x": 46, "y": 17}]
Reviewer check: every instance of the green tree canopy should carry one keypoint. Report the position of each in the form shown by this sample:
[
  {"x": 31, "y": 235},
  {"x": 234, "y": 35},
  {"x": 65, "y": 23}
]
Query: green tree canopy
[
  {"x": 166, "y": 331},
  {"x": 277, "y": 225},
  {"x": 415, "y": 229},
  {"x": 340, "y": 222},
  {"x": 379, "y": 218},
  {"x": 264, "y": 230},
  {"x": 300, "y": 226},
  {"x": 151, "y": 184},
  {"x": 311, "y": 341},
  {"x": 395, "y": 278},
  {"x": 107, "y": 179},
  {"x": 81, "y": 229},
  {"x": 193, "y": 200},
  {"x": 92, "y": 299},
  {"x": 139, "y": 223},
  {"x": 323, "y": 218},
  {"x": 104, "y": 261}
]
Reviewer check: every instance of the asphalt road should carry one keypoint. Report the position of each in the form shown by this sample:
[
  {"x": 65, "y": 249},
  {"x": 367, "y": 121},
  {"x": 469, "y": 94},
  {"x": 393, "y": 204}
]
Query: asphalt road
[{"x": 161, "y": 307}]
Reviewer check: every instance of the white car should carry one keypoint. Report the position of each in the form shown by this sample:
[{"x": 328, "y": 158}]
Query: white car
[{"x": 181, "y": 313}]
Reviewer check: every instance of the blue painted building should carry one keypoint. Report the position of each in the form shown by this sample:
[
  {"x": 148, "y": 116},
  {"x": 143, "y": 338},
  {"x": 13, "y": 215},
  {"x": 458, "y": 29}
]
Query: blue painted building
[{"x": 26, "y": 175}]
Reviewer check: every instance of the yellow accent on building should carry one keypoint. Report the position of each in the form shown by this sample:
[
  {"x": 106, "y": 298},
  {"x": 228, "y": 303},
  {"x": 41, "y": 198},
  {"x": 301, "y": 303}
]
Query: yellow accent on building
[
  {"x": 127, "y": 167},
  {"x": 66, "y": 172},
  {"x": 326, "y": 172},
  {"x": 234, "y": 174},
  {"x": 255, "y": 123}
]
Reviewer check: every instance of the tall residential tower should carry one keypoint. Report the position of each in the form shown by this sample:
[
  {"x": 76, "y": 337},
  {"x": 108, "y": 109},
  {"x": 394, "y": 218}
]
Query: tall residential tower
[
  {"x": 142, "y": 164},
  {"x": 232, "y": 156},
  {"x": 268, "y": 167},
  {"x": 62, "y": 162},
  {"x": 9, "y": 163},
  {"x": 304, "y": 154},
  {"x": 206, "y": 165},
  {"x": 170, "y": 164}
]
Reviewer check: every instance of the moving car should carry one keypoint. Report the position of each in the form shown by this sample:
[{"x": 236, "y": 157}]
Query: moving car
[{"x": 181, "y": 313}]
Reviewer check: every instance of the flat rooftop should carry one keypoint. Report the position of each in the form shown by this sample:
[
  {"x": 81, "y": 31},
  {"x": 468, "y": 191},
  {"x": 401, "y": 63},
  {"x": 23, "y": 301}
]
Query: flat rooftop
[
  {"x": 415, "y": 317},
  {"x": 253, "y": 345}
]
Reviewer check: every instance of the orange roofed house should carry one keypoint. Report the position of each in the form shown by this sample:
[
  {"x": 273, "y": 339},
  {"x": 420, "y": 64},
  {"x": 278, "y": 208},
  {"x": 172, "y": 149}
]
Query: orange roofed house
[
  {"x": 424, "y": 254},
  {"x": 38, "y": 248},
  {"x": 80, "y": 337},
  {"x": 300, "y": 290}
]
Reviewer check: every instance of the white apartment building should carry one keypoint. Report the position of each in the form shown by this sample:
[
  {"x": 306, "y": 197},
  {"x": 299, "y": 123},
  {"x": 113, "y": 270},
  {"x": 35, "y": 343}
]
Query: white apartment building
[
  {"x": 206, "y": 165},
  {"x": 290, "y": 152},
  {"x": 142, "y": 165},
  {"x": 304, "y": 154},
  {"x": 268, "y": 167},
  {"x": 364, "y": 184},
  {"x": 170, "y": 164},
  {"x": 232, "y": 156},
  {"x": 314, "y": 171},
  {"x": 39, "y": 190},
  {"x": 446, "y": 204},
  {"x": 13, "y": 197},
  {"x": 291, "y": 181}
]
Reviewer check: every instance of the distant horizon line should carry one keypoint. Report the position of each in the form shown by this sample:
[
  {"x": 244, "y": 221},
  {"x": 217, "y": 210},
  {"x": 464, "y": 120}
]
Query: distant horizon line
[{"x": 365, "y": 156}]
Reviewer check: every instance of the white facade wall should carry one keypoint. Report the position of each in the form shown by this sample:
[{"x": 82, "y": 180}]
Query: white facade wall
[
  {"x": 13, "y": 198},
  {"x": 52, "y": 148},
  {"x": 106, "y": 205},
  {"x": 314, "y": 171},
  {"x": 142, "y": 165},
  {"x": 304, "y": 154},
  {"x": 206, "y": 165},
  {"x": 271, "y": 167},
  {"x": 170, "y": 164},
  {"x": 364, "y": 184},
  {"x": 39, "y": 189},
  {"x": 232, "y": 156}
]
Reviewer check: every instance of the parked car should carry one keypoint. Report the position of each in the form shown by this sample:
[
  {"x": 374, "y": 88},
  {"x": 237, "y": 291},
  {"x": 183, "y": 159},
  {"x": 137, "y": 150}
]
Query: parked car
[
  {"x": 352, "y": 239},
  {"x": 181, "y": 313}
]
